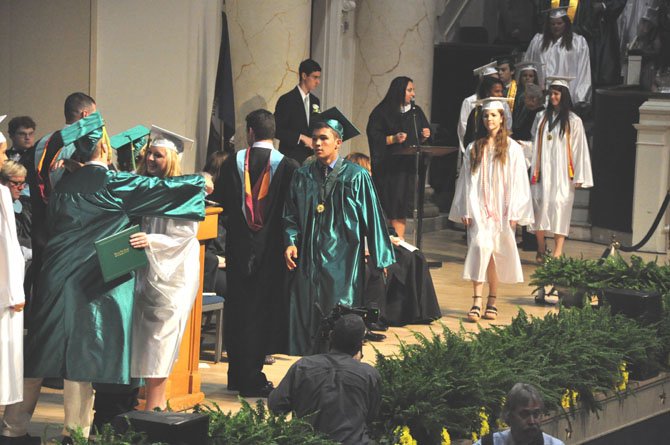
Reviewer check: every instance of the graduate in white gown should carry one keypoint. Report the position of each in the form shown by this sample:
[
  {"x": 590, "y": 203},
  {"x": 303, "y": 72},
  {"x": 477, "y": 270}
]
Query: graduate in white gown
[
  {"x": 468, "y": 104},
  {"x": 560, "y": 164},
  {"x": 12, "y": 298},
  {"x": 166, "y": 289},
  {"x": 492, "y": 197},
  {"x": 563, "y": 53}
]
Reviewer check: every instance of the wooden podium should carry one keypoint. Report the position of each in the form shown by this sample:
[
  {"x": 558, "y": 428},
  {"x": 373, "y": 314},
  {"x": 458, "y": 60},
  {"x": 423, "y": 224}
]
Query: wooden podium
[{"x": 183, "y": 385}]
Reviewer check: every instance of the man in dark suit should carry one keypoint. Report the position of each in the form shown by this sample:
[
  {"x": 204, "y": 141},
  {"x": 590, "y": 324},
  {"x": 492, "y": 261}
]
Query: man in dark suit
[{"x": 294, "y": 111}]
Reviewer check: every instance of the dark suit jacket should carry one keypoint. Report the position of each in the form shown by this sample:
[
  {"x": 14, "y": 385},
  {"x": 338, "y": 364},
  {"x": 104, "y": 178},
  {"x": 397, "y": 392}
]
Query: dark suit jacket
[{"x": 292, "y": 122}]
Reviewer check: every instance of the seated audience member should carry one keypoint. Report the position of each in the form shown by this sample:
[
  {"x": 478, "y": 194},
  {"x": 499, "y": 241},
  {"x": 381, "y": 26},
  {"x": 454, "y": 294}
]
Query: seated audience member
[
  {"x": 407, "y": 295},
  {"x": 13, "y": 176},
  {"x": 214, "y": 279},
  {"x": 522, "y": 412},
  {"x": 335, "y": 392},
  {"x": 22, "y": 133}
]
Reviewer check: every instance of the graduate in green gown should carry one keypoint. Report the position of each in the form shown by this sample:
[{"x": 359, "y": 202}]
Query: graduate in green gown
[
  {"x": 331, "y": 210},
  {"x": 82, "y": 325}
]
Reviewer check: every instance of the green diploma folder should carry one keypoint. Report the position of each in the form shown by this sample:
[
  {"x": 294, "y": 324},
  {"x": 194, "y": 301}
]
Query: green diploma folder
[{"x": 117, "y": 257}]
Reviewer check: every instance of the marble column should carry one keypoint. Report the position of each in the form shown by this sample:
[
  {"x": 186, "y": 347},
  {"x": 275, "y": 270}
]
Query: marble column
[
  {"x": 652, "y": 168},
  {"x": 393, "y": 38},
  {"x": 268, "y": 40}
]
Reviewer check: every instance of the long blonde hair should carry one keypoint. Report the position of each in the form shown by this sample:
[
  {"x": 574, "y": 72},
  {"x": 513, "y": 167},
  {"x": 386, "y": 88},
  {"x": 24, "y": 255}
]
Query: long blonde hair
[
  {"x": 501, "y": 144},
  {"x": 173, "y": 167}
]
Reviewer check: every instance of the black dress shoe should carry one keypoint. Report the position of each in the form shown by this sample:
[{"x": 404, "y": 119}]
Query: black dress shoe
[
  {"x": 21, "y": 440},
  {"x": 67, "y": 440},
  {"x": 373, "y": 336},
  {"x": 262, "y": 392},
  {"x": 378, "y": 326}
]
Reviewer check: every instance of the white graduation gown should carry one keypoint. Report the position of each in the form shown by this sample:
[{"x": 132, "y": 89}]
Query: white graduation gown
[
  {"x": 164, "y": 295},
  {"x": 11, "y": 293},
  {"x": 558, "y": 61},
  {"x": 509, "y": 201},
  {"x": 554, "y": 194}
]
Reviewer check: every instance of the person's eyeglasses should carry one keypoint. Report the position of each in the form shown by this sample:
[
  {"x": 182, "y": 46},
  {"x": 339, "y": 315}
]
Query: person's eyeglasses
[{"x": 18, "y": 184}]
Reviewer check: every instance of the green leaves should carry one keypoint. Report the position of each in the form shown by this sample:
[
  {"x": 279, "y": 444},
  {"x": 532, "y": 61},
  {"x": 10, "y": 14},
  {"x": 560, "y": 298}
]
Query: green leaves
[
  {"x": 258, "y": 426},
  {"x": 444, "y": 380}
]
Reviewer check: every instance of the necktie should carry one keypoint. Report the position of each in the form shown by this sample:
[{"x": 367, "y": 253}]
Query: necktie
[
  {"x": 325, "y": 169},
  {"x": 307, "y": 109}
]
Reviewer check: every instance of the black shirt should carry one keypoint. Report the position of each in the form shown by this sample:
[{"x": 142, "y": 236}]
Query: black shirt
[{"x": 338, "y": 394}]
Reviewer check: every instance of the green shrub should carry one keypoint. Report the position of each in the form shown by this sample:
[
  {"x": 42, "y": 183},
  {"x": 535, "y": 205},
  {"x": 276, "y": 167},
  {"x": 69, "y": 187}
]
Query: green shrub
[
  {"x": 258, "y": 426},
  {"x": 445, "y": 380}
]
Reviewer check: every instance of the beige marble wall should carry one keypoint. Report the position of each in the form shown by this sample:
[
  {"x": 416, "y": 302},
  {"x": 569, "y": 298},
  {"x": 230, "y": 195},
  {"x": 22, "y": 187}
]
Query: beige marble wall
[
  {"x": 268, "y": 40},
  {"x": 394, "y": 38}
]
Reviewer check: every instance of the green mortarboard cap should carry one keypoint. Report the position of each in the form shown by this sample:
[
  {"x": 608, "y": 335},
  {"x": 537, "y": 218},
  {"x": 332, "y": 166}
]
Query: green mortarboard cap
[
  {"x": 136, "y": 136},
  {"x": 338, "y": 122},
  {"x": 85, "y": 133}
]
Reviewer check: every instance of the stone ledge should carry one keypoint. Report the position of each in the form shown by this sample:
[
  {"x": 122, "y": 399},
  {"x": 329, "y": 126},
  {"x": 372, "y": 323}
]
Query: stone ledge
[{"x": 647, "y": 399}]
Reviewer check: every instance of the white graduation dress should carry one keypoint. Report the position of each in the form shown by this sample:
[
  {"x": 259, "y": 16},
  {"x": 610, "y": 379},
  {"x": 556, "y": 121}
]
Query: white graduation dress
[
  {"x": 558, "y": 61},
  {"x": 11, "y": 293},
  {"x": 492, "y": 197},
  {"x": 164, "y": 294},
  {"x": 554, "y": 194}
]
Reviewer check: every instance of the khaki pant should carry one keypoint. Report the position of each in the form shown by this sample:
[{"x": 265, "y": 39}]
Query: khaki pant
[{"x": 77, "y": 404}]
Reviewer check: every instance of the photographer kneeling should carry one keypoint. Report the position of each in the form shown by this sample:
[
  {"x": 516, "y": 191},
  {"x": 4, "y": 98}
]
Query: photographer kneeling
[{"x": 334, "y": 392}]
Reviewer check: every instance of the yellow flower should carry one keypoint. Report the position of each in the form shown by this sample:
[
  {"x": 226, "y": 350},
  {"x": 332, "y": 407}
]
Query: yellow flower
[
  {"x": 404, "y": 436},
  {"x": 569, "y": 399},
  {"x": 446, "y": 439},
  {"x": 623, "y": 383},
  {"x": 484, "y": 420},
  {"x": 499, "y": 422}
]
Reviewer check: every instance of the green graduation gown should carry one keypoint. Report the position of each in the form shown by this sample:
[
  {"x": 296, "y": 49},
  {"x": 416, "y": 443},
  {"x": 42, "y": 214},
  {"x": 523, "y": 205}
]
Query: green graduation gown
[
  {"x": 81, "y": 325},
  {"x": 331, "y": 246}
]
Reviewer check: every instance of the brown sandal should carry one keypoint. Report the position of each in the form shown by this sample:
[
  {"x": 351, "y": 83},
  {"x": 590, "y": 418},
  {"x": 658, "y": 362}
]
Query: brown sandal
[
  {"x": 491, "y": 312},
  {"x": 474, "y": 314}
]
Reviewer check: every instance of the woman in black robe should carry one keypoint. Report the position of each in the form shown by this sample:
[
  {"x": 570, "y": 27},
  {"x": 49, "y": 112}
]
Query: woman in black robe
[{"x": 395, "y": 123}]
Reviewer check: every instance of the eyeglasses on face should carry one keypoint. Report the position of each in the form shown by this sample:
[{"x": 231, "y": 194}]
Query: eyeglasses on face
[{"x": 18, "y": 184}]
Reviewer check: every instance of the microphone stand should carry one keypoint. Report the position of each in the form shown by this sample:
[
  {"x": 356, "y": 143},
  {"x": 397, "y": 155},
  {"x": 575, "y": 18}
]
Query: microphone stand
[{"x": 418, "y": 219}]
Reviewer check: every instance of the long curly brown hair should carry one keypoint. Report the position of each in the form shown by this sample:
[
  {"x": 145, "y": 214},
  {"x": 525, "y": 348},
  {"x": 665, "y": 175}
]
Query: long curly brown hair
[{"x": 501, "y": 142}]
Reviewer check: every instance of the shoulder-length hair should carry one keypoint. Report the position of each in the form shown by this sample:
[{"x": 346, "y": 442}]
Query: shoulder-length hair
[
  {"x": 481, "y": 138},
  {"x": 173, "y": 167},
  {"x": 567, "y": 34},
  {"x": 564, "y": 107}
]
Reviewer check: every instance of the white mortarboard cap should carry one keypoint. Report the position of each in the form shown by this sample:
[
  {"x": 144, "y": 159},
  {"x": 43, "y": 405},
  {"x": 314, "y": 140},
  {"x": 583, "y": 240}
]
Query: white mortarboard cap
[
  {"x": 525, "y": 66},
  {"x": 168, "y": 139},
  {"x": 557, "y": 13},
  {"x": 493, "y": 103},
  {"x": 486, "y": 70},
  {"x": 563, "y": 81}
]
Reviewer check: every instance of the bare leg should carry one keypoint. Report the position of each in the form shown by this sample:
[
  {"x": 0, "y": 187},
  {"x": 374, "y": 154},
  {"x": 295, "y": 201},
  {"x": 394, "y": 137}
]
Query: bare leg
[
  {"x": 492, "y": 276},
  {"x": 17, "y": 416},
  {"x": 541, "y": 245},
  {"x": 559, "y": 240},
  {"x": 399, "y": 226},
  {"x": 491, "y": 312},
  {"x": 78, "y": 406},
  {"x": 155, "y": 391}
]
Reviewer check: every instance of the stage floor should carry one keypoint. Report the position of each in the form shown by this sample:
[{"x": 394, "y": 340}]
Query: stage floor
[{"x": 454, "y": 295}]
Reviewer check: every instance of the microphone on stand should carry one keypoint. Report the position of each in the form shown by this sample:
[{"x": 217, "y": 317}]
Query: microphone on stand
[{"x": 412, "y": 104}]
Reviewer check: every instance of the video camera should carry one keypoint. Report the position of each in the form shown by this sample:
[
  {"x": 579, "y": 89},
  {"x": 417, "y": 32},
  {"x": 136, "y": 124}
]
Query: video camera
[{"x": 322, "y": 340}]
